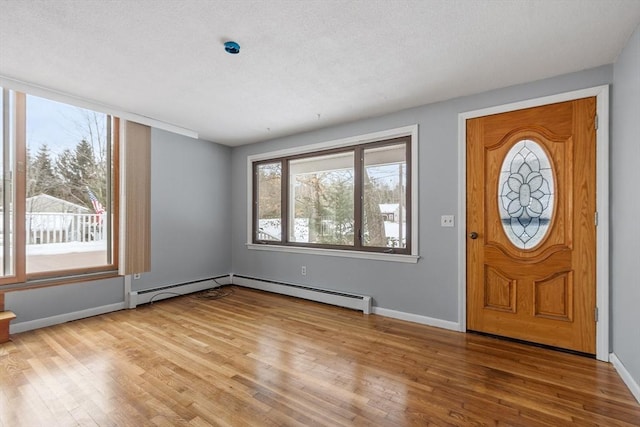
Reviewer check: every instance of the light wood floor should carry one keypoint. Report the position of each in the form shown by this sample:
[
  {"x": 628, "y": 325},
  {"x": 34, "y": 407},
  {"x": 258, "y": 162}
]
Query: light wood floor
[{"x": 258, "y": 359}]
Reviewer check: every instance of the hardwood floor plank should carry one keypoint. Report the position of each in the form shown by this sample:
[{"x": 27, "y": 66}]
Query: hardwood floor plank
[
  {"x": 260, "y": 359},
  {"x": 297, "y": 405}
]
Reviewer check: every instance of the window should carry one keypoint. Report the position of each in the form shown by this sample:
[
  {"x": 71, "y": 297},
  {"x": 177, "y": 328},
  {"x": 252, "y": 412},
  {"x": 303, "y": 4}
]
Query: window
[
  {"x": 58, "y": 192},
  {"x": 269, "y": 202},
  {"x": 355, "y": 197},
  {"x": 321, "y": 193}
]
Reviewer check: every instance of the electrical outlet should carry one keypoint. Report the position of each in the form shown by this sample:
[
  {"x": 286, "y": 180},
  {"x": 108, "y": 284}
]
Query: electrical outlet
[
  {"x": 303, "y": 270},
  {"x": 136, "y": 276},
  {"x": 447, "y": 221}
]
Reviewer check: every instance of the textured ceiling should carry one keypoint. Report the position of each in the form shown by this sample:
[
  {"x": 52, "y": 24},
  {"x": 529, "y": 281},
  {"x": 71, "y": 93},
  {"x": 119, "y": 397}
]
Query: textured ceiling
[{"x": 303, "y": 64}]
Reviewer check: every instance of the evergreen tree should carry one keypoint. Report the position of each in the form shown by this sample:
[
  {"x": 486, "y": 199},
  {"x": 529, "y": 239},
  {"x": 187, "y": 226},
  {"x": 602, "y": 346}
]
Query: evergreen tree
[
  {"x": 67, "y": 169},
  {"x": 78, "y": 169},
  {"x": 41, "y": 178},
  {"x": 339, "y": 200},
  {"x": 373, "y": 222},
  {"x": 326, "y": 200}
]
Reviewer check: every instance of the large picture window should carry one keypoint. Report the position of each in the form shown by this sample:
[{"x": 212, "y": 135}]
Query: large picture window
[
  {"x": 58, "y": 164},
  {"x": 356, "y": 197}
]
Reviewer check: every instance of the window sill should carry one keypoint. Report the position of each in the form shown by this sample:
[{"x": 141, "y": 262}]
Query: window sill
[
  {"x": 411, "y": 259},
  {"x": 56, "y": 281}
]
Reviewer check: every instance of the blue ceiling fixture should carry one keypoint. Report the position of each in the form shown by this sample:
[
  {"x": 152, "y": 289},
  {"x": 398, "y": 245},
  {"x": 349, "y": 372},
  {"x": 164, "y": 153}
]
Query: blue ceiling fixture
[{"x": 232, "y": 47}]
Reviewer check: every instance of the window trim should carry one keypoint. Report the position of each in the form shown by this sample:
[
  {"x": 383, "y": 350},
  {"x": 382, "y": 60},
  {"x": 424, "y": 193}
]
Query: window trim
[
  {"x": 344, "y": 143},
  {"x": 21, "y": 279}
]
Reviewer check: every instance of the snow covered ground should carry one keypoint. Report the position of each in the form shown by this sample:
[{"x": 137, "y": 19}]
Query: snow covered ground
[
  {"x": 301, "y": 229},
  {"x": 66, "y": 248}
]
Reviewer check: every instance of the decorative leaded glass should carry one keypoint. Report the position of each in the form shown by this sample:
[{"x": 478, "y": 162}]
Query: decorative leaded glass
[{"x": 526, "y": 194}]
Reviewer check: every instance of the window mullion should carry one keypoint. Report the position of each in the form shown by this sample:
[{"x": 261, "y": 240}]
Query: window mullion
[
  {"x": 407, "y": 194},
  {"x": 254, "y": 201},
  {"x": 108, "y": 216},
  {"x": 20, "y": 135},
  {"x": 7, "y": 190},
  {"x": 358, "y": 193},
  {"x": 284, "y": 201}
]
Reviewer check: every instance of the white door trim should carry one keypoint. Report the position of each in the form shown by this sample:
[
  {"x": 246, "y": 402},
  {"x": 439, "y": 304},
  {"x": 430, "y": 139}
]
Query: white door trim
[{"x": 602, "y": 203}]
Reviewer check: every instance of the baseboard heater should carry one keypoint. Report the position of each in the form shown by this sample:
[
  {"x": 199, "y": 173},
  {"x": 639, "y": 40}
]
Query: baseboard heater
[
  {"x": 340, "y": 299},
  {"x": 162, "y": 292}
]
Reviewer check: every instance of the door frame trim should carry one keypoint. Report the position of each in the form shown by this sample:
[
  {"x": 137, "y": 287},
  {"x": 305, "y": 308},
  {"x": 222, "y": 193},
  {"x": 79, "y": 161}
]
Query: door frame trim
[{"x": 602, "y": 202}]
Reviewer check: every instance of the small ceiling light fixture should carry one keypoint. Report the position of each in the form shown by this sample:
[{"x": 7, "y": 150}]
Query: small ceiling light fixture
[{"x": 232, "y": 47}]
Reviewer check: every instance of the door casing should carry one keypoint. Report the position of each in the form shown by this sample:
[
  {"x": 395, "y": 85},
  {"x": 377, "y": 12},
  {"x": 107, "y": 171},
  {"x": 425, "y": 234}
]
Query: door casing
[{"x": 602, "y": 203}]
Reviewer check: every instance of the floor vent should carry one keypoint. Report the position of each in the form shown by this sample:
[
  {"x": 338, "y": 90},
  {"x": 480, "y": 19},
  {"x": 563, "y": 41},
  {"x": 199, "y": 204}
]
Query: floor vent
[{"x": 341, "y": 299}]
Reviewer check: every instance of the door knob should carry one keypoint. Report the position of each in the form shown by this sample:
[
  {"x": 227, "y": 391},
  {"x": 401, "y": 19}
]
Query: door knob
[{"x": 473, "y": 235}]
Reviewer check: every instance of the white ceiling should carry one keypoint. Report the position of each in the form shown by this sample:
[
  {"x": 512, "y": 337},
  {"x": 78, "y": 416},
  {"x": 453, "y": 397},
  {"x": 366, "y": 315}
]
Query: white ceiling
[{"x": 303, "y": 64}]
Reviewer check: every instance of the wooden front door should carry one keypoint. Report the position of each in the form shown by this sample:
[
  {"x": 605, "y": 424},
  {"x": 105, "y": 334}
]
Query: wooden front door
[{"x": 531, "y": 232}]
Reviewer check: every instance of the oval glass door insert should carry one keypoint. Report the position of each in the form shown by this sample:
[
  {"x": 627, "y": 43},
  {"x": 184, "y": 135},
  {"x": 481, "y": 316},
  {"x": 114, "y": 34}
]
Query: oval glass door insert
[{"x": 526, "y": 194}]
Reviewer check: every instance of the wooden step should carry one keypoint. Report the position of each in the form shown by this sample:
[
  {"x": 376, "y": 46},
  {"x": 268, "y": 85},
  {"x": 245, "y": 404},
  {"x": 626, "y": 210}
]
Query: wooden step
[
  {"x": 5, "y": 318},
  {"x": 7, "y": 315}
]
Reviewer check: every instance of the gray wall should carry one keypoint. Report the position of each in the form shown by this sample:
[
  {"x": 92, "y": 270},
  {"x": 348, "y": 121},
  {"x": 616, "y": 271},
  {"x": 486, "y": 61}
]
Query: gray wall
[
  {"x": 625, "y": 207},
  {"x": 41, "y": 303},
  {"x": 190, "y": 193},
  {"x": 429, "y": 288},
  {"x": 190, "y": 237}
]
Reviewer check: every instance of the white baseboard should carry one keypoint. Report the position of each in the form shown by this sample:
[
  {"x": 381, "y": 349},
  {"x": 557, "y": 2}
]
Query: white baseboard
[
  {"x": 134, "y": 299},
  {"x": 29, "y": 325},
  {"x": 416, "y": 318},
  {"x": 327, "y": 298},
  {"x": 634, "y": 387},
  {"x": 337, "y": 298}
]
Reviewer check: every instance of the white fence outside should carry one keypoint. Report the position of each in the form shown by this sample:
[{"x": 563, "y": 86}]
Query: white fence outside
[{"x": 45, "y": 227}]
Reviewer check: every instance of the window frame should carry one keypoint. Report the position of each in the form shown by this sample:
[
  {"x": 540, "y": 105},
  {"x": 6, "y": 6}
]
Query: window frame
[
  {"x": 21, "y": 278},
  {"x": 284, "y": 203},
  {"x": 357, "y": 144}
]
